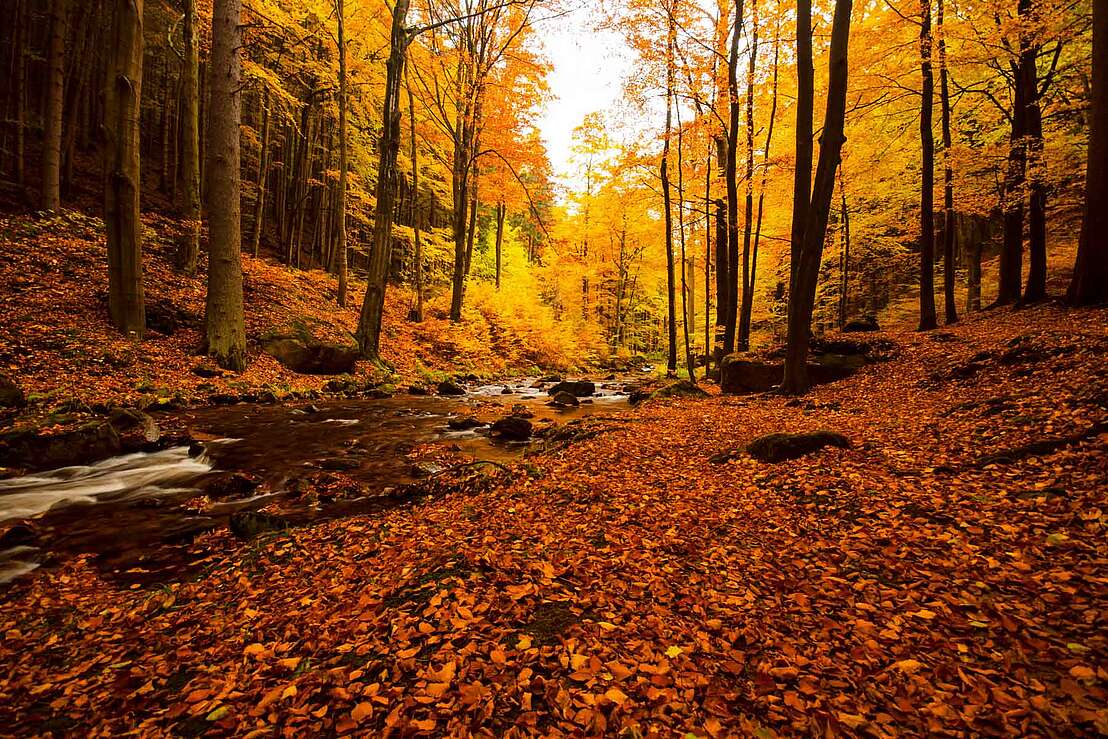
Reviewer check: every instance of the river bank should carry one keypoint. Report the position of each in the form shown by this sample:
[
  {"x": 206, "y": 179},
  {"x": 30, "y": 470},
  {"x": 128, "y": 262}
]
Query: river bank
[{"x": 945, "y": 573}]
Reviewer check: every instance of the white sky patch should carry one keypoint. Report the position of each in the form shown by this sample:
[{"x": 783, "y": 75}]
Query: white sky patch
[{"x": 589, "y": 67}]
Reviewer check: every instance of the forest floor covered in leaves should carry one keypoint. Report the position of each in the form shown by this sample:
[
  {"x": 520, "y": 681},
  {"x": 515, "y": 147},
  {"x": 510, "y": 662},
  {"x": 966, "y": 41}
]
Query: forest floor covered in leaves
[
  {"x": 57, "y": 344},
  {"x": 946, "y": 574}
]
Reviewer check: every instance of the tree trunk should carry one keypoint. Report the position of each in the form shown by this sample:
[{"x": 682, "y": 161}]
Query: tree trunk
[
  {"x": 263, "y": 177},
  {"x": 765, "y": 165},
  {"x": 844, "y": 290},
  {"x": 927, "y": 320},
  {"x": 500, "y": 212},
  {"x": 671, "y": 314},
  {"x": 748, "y": 281},
  {"x": 373, "y": 306},
  {"x": 1028, "y": 78},
  {"x": 1090, "y": 270},
  {"x": 226, "y": 332},
  {"x": 122, "y": 98},
  {"x": 20, "y": 93},
  {"x": 189, "y": 171},
  {"x": 340, "y": 202},
  {"x": 731, "y": 318},
  {"x": 805, "y": 110},
  {"x": 416, "y": 314},
  {"x": 55, "y": 102},
  {"x": 951, "y": 308},
  {"x": 802, "y": 294}
]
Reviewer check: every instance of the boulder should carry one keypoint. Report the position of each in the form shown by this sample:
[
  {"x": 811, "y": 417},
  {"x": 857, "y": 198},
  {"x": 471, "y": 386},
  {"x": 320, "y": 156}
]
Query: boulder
[
  {"x": 314, "y": 358},
  {"x": 741, "y": 374},
  {"x": 248, "y": 524},
  {"x": 579, "y": 388},
  {"x": 680, "y": 389},
  {"x": 449, "y": 387},
  {"x": 564, "y": 400},
  {"x": 137, "y": 431},
  {"x": 166, "y": 318},
  {"x": 207, "y": 369},
  {"x": 865, "y": 323},
  {"x": 519, "y": 410},
  {"x": 418, "y": 390},
  {"x": 11, "y": 395},
  {"x": 464, "y": 423},
  {"x": 231, "y": 485},
  {"x": 89, "y": 443},
  {"x": 512, "y": 428},
  {"x": 781, "y": 446}
]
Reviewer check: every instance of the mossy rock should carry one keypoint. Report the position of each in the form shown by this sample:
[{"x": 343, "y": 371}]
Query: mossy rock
[{"x": 782, "y": 446}]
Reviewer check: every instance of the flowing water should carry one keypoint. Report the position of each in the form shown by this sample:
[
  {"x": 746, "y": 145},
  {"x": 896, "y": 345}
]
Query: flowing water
[{"x": 135, "y": 512}]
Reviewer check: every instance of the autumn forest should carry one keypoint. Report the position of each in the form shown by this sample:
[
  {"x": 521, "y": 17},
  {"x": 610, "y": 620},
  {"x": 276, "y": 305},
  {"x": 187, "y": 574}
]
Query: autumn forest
[{"x": 628, "y": 368}]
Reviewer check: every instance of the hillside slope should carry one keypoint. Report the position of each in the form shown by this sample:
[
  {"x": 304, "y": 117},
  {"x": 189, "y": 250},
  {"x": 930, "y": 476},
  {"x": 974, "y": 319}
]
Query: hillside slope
[{"x": 57, "y": 344}]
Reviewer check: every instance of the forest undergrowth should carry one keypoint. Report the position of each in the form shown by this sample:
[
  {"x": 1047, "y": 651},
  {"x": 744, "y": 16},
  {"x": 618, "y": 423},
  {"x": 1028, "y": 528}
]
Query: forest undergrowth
[
  {"x": 945, "y": 574},
  {"x": 58, "y": 345}
]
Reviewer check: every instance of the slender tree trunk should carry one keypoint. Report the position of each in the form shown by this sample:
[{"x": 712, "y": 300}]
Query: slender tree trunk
[
  {"x": 748, "y": 281},
  {"x": 373, "y": 306},
  {"x": 1028, "y": 78},
  {"x": 671, "y": 349},
  {"x": 927, "y": 320},
  {"x": 731, "y": 176},
  {"x": 20, "y": 93},
  {"x": 122, "y": 110},
  {"x": 500, "y": 212},
  {"x": 416, "y": 313},
  {"x": 844, "y": 288},
  {"x": 973, "y": 277},
  {"x": 1011, "y": 251},
  {"x": 765, "y": 164},
  {"x": 226, "y": 332},
  {"x": 708, "y": 254},
  {"x": 340, "y": 202},
  {"x": 188, "y": 250},
  {"x": 1089, "y": 284},
  {"x": 803, "y": 293},
  {"x": 948, "y": 176},
  {"x": 263, "y": 177},
  {"x": 55, "y": 102},
  {"x": 686, "y": 285}
]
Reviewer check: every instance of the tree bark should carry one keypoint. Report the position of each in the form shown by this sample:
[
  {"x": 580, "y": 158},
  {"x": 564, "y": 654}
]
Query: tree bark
[
  {"x": 927, "y": 320},
  {"x": 1089, "y": 284},
  {"x": 951, "y": 309},
  {"x": 500, "y": 212},
  {"x": 748, "y": 281},
  {"x": 189, "y": 171},
  {"x": 765, "y": 165},
  {"x": 731, "y": 177},
  {"x": 55, "y": 102},
  {"x": 373, "y": 306},
  {"x": 122, "y": 106},
  {"x": 416, "y": 314},
  {"x": 340, "y": 202},
  {"x": 263, "y": 177},
  {"x": 226, "y": 332},
  {"x": 802, "y": 293},
  {"x": 805, "y": 110},
  {"x": 671, "y": 349},
  {"x": 1028, "y": 78}
]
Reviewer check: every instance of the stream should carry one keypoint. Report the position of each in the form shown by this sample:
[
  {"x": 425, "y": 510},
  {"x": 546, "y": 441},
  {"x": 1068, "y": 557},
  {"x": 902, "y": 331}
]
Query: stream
[{"x": 137, "y": 513}]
